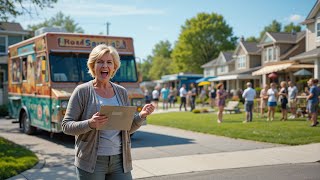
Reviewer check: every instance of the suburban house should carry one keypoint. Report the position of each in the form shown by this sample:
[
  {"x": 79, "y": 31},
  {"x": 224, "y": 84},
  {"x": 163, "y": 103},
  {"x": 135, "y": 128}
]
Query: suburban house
[
  {"x": 241, "y": 63},
  {"x": 276, "y": 50},
  {"x": 10, "y": 33},
  {"x": 312, "y": 46},
  {"x": 209, "y": 69},
  {"x": 219, "y": 66}
]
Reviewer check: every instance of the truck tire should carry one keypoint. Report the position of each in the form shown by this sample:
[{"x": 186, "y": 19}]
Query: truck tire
[{"x": 26, "y": 124}]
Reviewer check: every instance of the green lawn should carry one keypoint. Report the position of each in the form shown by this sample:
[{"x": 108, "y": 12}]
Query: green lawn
[
  {"x": 14, "y": 159},
  {"x": 291, "y": 132}
]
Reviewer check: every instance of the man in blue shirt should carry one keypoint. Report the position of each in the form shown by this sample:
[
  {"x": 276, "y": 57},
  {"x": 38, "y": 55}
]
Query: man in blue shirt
[
  {"x": 313, "y": 101},
  {"x": 249, "y": 94},
  {"x": 165, "y": 96}
]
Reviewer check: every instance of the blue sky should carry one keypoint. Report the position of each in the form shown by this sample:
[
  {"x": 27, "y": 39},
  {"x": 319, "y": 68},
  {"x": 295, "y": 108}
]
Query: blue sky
[{"x": 150, "y": 21}]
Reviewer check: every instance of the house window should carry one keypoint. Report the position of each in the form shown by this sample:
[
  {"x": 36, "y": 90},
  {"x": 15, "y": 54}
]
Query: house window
[
  {"x": 265, "y": 55},
  {"x": 222, "y": 69},
  {"x": 270, "y": 54},
  {"x": 318, "y": 29},
  {"x": 207, "y": 72},
  {"x": 3, "y": 45},
  {"x": 241, "y": 62},
  {"x": 14, "y": 39}
]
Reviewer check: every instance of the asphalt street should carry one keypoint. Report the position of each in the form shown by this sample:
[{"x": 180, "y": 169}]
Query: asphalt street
[{"x": 310, "y": 171}]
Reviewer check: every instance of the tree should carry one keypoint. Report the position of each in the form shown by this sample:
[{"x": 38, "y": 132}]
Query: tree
[
  {"x": 275, "y": 26},
  {"x": 200, "y": 40},
  {"x": 292, "y": 28},
  {"x": 145, "y": 68},
  {"x": 59, "y": 20},
  {"x": 160, "y": 60},
  {"x": 14, "y": 8},
  {"x": 252, "y": 39}
]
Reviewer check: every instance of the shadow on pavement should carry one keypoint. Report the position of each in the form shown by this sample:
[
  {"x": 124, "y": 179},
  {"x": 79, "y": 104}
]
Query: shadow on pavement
[{"x": 146, "y": 139}]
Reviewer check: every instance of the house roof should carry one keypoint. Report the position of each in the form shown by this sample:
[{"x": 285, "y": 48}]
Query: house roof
[
  {"x": 210, "y": 63},
  {"x": 312, "y": 13},
  {"x": 282, "y": 37},
  {"x": 227, "y": 55},
  {"x": 251, "y": 47},
  {"x": 287, "y": 37},
  {"x": 307, "y": 55},
  {"x": 10, "y": 26}
]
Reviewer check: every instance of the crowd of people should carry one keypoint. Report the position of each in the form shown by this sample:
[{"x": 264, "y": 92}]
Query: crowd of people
[{"x": 286, "y": 97}]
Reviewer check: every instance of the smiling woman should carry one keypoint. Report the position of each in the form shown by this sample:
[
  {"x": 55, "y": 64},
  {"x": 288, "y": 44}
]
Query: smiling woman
[{"x": 95, "y": 148}]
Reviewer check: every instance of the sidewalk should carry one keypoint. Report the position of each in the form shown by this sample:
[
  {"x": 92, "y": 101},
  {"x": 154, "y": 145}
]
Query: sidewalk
[
  {"x": 240, "y": 159},
  {"x": 177, "y": 106}
]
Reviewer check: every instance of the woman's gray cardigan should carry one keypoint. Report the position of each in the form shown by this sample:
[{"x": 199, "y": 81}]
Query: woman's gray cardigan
[{"x": 82, "y": 105}]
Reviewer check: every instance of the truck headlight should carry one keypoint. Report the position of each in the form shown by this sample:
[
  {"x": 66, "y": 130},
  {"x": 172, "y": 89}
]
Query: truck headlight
[
  {"x": 137, "y": 102},
  {"x": 64, "y": 104}
]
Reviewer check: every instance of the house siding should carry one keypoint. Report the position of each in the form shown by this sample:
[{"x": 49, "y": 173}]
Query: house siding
[
  {"x": 284, "y": 48},
  {"x": 255, "y": 61},
  {"x": 311, "y": 37},
  {"x": 231, "y": 67},
  {"x": 209, "y": 72}
]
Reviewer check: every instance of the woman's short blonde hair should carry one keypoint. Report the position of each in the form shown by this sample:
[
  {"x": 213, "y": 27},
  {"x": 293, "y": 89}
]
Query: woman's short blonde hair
[{"x": 97, "y": 53}]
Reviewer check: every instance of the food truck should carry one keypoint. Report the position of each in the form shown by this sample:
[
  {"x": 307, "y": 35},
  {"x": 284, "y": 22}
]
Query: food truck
[{"x": 44, "y": 70}]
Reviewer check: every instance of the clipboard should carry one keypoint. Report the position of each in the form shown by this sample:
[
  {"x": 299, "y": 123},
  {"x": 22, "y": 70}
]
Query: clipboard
[{"x": 119, "y": 117}]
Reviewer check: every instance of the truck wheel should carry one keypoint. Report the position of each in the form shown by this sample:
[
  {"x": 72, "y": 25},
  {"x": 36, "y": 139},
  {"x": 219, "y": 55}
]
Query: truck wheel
[{"x": 26, "y": 124}]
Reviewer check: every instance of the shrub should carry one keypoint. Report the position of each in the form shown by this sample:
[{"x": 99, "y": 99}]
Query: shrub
[
  {"x": 4, "y": 110},
  {"x": 196, "y": 111}
]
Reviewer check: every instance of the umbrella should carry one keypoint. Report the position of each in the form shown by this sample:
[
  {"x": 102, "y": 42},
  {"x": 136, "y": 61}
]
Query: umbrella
[
  {"x": 204, "y": 83},
  {"x": 273, "y": 75},
  {"x": 302, "y": 72}
]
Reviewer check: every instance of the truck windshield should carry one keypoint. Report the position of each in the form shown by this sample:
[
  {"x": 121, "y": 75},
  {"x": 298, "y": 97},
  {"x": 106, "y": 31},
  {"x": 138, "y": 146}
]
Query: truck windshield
[{"x": 73, "y": 68}]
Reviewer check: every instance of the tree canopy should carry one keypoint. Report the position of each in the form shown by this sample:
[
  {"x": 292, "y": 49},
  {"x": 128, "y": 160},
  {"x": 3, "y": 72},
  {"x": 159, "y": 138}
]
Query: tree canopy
[
  {"x": 59, "y": 20},
  {"x": 161, "y": 60},
  {"x": 275, "y": 26},
  {"x": 292, "y": 28},
  {"x": 14, "y": 8},
  {"x": 200, "y": 40},
  {"x": 252, "y": 39}
]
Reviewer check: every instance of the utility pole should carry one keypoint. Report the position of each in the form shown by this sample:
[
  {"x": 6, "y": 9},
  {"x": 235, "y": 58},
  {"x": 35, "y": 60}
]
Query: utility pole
[{"x": 107, "y": 27}]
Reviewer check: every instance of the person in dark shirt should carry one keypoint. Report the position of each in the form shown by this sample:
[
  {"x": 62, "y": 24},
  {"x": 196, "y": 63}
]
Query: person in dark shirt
[{"x": 313, "y": 101}]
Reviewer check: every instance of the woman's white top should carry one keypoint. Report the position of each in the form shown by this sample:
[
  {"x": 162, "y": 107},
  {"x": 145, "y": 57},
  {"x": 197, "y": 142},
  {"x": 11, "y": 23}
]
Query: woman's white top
[
  {"x": 110, "y": 140},
  {"x": 272, "y": 95}
]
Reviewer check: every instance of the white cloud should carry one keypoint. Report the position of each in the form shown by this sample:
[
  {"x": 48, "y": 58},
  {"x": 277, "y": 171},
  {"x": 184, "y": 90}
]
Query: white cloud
[
  {"x": 76, "y": 8},
  {"x": 296, "y": 18}
]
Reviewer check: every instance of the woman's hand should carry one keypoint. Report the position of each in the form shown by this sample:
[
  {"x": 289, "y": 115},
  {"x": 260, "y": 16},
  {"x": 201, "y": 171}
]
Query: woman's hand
[
  {"x": 146, "y": 110},
  {"x": 97, "y": 120}
]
